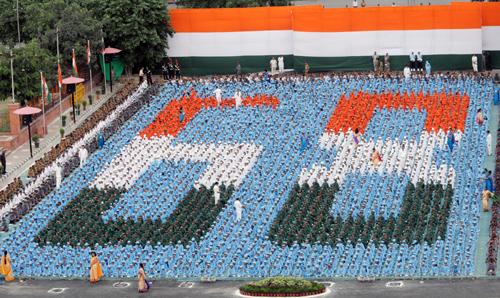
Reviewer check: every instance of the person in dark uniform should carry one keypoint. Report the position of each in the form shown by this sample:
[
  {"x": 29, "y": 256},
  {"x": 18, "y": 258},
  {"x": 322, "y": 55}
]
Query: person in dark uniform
[
  {"x": 171, "y": 70},
  {"x": 164, "y": 71},
  {"x": 177, "y": 69}
]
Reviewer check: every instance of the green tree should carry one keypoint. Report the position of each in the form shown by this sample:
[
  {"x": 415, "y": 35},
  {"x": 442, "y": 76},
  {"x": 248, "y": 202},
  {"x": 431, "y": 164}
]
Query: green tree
[
  {"x": 231, "y": 3},
  {"x": 28, "y": 62},
  {"x": 139, "y": 28}
]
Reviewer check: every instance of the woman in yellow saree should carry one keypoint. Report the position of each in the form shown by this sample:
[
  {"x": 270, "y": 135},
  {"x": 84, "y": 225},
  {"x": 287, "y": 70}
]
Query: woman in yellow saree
[
  {"x": 6, "y": 267},
  {"x": 95, "y": 268},
  {"x": 143, "y": 283}
]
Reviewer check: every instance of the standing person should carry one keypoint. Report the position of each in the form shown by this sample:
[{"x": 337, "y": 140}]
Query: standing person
[
  {"x": 486, "y": 195},
  {"x": 100, "y": 140},
  {"x": 375, "y": 61},
  {"x": 143, "y": 284},
  {"x": 273, "y": 65},
  {"x": 239, "y": 209},
  {"x": 238, "y": 70},
  {"x": 306, "y": 69},
  {"x": 474, "y": 63},
  {"x": 376, "y": 157},
  {"x": 281, "y": 64},
  {"x": 6, "y": 267},
  {"x": 450, "y": 139},
  {"x": 82, "y": 155},
  {"x": 95, "y": 268},
  {"x": 304, "y": 143},
  {"x": 489, "y": 143},
  {"x": 218, "y": 95},
  {"x": 177, "y": 70},
  {"x": 363, "y": 3},
  {"x": 141, "y": 75},
  {"x": 356, "y": 137},
  {"x": 237, "y": 98},
  {"x": 479, "y": 117},
  {"x": 488, "y": 182},
  {"x": 420, "y": 62},
  {"x": 171, "y": 69},
  {"x": 428, "y": 68},
  {"x": 354, "y": 3},
  {"x": 407, "y": 72},
  {"x": 387, "y": 62},
  {"x": 58, "y": 176},
  {"x": 181, "y": 115},
  {"x": 164, "y": 71},
  {"x": 412, "y": 61},
  {"x": 216, "y": 193}
]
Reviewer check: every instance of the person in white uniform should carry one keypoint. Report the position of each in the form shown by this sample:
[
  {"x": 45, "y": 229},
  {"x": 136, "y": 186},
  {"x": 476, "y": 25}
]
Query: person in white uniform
[
  {"x": 489, "y": 143},
  {"x": 216, "y": 193},
  {"x": 58, "y": 176},
  {"x": 281, "y": 64},
  {"x": 237, "y": 98},
  {"x": 239, "y": 209},
  {"x": 474, "y": 63},
  {"x": 82, "y": 154},
  {"x": 218, "y": 95},
  {"x": 273, "y": 65}
]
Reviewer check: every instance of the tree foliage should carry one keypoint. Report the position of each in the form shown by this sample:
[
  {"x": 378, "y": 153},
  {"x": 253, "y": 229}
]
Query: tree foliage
[
  {"x": 139, "y": 28},
  {"x": 231, "y": 3}
]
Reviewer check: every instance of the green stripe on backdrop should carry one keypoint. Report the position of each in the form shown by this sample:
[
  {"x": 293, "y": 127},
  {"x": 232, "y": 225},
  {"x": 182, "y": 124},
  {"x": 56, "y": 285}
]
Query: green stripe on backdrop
[
  {"x": 227, "y": 65},
  {"x": 495, "y": 59},
  {"x": 438, "y": 62}
]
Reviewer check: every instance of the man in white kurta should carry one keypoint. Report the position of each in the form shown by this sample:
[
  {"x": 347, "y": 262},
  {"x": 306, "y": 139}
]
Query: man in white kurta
[
  {"x": 489, "y": 143},
  {"x": 237, "y": 98},
  {"x": 273, "y": 65},
  {"x": 216, "y": 193},
  {"x": 281, "y": 64},
  {"x": 58, "y": 176},
  {"x": 239, "y": 208},
  {"x": 218, "y": 95},
  {"x": 474, "y": 63},
  {"x": 82, "y": 155}
]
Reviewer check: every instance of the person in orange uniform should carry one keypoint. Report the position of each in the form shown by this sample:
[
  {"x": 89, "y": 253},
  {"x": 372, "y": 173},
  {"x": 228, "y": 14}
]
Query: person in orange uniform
[
  {"x": 6, "y": 267},
  {"x": 95, "y": 268}
]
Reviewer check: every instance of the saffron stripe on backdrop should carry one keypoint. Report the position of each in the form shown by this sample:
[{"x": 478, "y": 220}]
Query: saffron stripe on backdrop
[{"x": 319, "y": 19}]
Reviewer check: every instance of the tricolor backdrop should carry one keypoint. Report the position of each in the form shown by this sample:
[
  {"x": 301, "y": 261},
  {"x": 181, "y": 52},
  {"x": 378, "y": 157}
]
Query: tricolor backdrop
[{"x": 214, "y": 40}]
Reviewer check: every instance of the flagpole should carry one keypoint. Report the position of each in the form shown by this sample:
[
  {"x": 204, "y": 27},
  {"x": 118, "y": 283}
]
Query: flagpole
[
  {"x": 59, "y": 87},
  {"x": 90, "y": 65},
  {"x": 104, "y": 61},
  {"x": 43, "y": 102}
]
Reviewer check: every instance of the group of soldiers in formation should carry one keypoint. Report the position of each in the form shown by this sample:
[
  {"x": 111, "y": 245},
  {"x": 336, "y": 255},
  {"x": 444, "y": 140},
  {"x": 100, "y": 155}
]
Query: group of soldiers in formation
[{"x": 171, "y": 71}]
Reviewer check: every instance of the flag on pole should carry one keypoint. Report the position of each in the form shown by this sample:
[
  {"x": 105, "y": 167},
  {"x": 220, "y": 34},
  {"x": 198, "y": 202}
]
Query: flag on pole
[
  {"x": 59, "y": 76},
  {"x": 88, "y": 52},
  {"x": 75, "y": 68}
]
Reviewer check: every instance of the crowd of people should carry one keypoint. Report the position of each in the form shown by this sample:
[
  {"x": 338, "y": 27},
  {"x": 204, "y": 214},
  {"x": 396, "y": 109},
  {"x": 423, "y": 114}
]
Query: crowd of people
[{"x": 303, "y": 152}]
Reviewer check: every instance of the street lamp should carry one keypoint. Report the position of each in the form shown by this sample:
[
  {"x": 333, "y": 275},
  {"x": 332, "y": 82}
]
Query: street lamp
[
  {"x": 71, "y": 82},
  {"x": 27, "y": 113},
  {"x": 109, "y": 54}
]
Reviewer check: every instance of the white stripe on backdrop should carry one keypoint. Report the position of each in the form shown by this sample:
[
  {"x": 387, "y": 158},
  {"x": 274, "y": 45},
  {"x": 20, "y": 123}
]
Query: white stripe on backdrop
[{"x": 329, "y": 44}]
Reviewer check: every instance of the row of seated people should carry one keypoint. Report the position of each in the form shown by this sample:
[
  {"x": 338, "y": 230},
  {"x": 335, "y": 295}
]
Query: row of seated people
[{"x": 220, "y": 241}]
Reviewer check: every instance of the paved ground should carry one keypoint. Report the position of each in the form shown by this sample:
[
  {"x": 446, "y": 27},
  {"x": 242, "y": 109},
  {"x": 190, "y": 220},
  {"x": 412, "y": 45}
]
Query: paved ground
[
  {"x": 485, "y": 217},
  {"x": 351, "y": 289}
]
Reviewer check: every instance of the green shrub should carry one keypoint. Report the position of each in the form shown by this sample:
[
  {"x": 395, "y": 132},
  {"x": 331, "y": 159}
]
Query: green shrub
[{"x": 281, "y": 284}]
